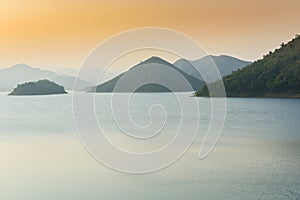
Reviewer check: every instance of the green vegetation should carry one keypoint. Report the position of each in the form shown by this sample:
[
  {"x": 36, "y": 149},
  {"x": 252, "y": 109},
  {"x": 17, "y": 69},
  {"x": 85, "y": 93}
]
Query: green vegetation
[
  {"x": 276, "y": 75},
  {"x": 41, "y": 87}
]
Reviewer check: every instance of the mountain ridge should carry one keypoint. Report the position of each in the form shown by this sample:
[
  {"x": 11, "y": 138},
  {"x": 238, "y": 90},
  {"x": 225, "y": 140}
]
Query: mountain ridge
[
  {"x": 226, "y": 64},
  {"x": 20, "y": 73},
  {"x": 108, "y": 86}
]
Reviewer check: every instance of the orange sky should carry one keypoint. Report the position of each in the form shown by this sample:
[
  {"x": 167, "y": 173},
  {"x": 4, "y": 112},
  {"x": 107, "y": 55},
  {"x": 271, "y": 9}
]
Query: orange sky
[{"x": 53, "y": 33}]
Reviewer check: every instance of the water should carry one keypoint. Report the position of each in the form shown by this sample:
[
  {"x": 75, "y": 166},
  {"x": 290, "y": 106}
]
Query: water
[{"x": 257, "y": 156}]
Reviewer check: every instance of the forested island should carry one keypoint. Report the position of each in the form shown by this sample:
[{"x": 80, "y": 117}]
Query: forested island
[
  {"x": 277, "y": 74},
  {"x": 41, "y": 87}
]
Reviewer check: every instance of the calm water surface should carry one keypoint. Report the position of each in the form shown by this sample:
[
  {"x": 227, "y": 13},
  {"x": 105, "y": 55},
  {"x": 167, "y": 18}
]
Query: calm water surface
[{"x": 257, "y": 156}]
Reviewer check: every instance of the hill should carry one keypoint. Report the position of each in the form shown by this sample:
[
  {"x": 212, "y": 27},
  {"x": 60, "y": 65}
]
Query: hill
[
  {"x": 41, "y": 87},
  {"x": 225, "y": 64},
  {"x": 10, "y": 77},
  {"x": 152, "y": 87},
  {"x": 90, "y": 74},
  {"x": 276, "y": 75}
]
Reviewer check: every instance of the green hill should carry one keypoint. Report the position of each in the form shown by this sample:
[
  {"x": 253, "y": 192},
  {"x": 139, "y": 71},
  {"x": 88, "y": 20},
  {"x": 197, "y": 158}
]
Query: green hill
[
  {"x": 41, "y": 87},
  {"x": 152, "y": 87},
  {"x": 276, "y": 75}
]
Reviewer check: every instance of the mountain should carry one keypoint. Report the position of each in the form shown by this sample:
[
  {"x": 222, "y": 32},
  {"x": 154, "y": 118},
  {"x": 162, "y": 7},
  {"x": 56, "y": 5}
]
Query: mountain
[
  {"x": 225, "y": 64},
  {"x": 10, "y": 77},
  {"x": 148, "y": 69},
  {"x": 41, "y": 87},
  {"x": 89, "y": 74},
  {"x": 276, "y": 75},
  {"x": 67, "y": 71}
]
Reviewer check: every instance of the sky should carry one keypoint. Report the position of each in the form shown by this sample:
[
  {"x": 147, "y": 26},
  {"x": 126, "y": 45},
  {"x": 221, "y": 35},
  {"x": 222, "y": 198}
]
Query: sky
[{"x": 57, "y": 34}]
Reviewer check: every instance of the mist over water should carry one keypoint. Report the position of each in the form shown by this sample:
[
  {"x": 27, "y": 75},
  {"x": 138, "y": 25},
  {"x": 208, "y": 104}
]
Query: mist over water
[{"x": 257, "y": 156}]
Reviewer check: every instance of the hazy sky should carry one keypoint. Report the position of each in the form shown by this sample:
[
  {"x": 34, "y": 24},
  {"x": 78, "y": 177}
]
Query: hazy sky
[{"x": 54, "y": 33}]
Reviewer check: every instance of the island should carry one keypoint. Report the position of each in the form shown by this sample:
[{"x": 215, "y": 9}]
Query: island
[
  {"x": 277, "y": 74},
  {"x": 41, "y": 87}
]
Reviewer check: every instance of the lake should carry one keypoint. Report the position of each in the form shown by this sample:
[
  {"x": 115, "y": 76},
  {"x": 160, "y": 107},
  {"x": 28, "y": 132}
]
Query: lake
[{"x": 256, "y": 157}]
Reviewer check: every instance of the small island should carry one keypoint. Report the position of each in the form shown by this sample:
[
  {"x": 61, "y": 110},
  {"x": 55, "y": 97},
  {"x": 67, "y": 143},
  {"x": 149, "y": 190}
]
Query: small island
[{"x": 41, "y": 87}]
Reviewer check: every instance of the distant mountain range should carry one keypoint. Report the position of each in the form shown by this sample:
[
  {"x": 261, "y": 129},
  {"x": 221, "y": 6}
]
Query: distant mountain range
[
  {"x": 21, "y": 73},
  {"x": 159, "y": 73},
  {"x": 225, "y": 64},
  {"x": 88, "y": 74},
  {"x": 17, "y": 74},
  {"x": 276, "y": 75}
]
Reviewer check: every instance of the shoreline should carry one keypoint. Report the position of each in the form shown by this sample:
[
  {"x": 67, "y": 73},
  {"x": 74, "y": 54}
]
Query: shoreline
[{"x": 265, "y": 96}]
